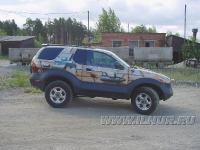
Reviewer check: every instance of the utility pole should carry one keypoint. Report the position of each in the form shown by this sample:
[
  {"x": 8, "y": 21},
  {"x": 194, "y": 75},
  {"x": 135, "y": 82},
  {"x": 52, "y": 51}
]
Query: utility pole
[
  {"x": 88, "y": 21},
  {"x": 185, "y": 25},
  {"x": 128, "y": 27},
  {"x": 184, "y": 33}
]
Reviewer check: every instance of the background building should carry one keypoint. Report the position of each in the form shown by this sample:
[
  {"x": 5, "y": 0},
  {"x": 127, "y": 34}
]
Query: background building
[{"x": 7, "y": 42}]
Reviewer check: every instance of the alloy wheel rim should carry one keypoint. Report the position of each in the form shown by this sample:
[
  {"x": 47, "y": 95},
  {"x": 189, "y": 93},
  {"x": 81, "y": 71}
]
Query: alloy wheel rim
[
  {"x": 58, "y": 95},
  {"x": 143, "y": 101}
]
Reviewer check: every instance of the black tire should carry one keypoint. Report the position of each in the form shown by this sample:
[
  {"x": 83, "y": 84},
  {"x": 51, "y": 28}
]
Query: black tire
[
  {"x": 58, "y": 94},
  {"x": 145, "y": 100}
]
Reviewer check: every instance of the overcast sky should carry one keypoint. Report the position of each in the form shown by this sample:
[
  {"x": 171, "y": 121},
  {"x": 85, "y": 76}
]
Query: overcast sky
[{"x": 164, "y": 15}]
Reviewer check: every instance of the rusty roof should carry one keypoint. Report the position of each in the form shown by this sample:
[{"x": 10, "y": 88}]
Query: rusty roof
[{"x": 15, "y": 38}]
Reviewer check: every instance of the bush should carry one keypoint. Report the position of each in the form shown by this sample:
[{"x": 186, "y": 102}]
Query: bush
[
  {"x": 37, "y": 44},
  {"x": 4, "y": 57},
  {"x": 18, "y": 79}
]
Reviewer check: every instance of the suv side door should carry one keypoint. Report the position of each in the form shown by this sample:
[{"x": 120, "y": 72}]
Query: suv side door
[{"x": 100, "y": 75}]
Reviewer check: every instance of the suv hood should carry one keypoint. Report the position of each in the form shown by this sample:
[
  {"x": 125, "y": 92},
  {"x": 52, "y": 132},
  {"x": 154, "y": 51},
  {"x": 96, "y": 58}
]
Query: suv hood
[{"x": 151, "y": 74}]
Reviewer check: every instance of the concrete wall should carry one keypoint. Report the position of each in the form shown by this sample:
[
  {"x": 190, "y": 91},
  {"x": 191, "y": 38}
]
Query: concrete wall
[
  {"x": 122, "y": 52},
  {"x": 153, "y": 54},
  {"x": 23, "y": 55},
  {"x": 0, "y": 50}
]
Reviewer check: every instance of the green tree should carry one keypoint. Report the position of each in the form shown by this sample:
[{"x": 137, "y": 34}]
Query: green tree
[
  {"x": 143, "y": 29},
  {"x": 38, "y": 28},
  {"x": 28, "y": 26},
  {"x": 190, "y": 49},
  {"x": 2, "y": 32},
  {"x": 37, "y": 44},
  {"x": 152, "y": 29},
  {"x": 40, "y": 39},
  {"x": 177, "y": 34},
  {"x": 10, "y": 27},
  {"x": 96, "y": 36},
  {"x": 109, "y": 22},
  {"x": 66, "y": 31},
  {"x": 169, "y": 32},
  {"x": 78, "y": 32}
]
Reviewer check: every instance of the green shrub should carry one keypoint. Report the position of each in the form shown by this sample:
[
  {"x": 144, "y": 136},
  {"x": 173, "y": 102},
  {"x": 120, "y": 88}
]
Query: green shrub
[
  {"x": 4, "y": 57},
  {"x": 18, "y": 79}
]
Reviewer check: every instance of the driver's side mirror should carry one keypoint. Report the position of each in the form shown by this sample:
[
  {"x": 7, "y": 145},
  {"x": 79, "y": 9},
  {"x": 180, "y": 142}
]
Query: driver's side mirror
[{"x": 119, "y": 66}]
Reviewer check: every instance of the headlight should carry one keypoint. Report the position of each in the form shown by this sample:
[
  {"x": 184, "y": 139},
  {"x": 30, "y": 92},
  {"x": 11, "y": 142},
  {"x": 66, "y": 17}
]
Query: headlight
[
  {"x": 160, "y": 80},
  {"x": 166, "y": 80}
]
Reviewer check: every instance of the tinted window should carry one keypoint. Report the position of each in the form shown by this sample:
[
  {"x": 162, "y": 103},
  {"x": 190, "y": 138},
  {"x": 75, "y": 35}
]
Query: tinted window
[
  {"x": 49, "y": 53},
  {"x": 79, "y": 56},
  {"x": 100, "y": 59}
]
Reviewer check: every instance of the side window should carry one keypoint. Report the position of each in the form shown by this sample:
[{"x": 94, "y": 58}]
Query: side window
[
  {"x": 131, "y": 45},
  {"x": 79, "y": 56},
  {"x": 100, "y": 59},
  {"x": 50, "y": 53},
  {"x": 149, "y": 44},
  {"x": 117, "y": 43}
]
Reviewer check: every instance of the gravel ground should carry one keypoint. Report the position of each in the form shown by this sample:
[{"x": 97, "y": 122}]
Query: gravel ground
[{"x": 28, "y": 122}]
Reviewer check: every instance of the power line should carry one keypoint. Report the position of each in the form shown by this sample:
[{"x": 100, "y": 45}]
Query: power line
[{"x": 53, "y": 13}]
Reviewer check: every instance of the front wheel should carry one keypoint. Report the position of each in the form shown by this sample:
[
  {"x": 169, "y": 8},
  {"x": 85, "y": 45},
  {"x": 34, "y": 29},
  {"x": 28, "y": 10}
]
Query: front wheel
[
  {"x": 145, "y": 100},
  {"x": 58, "y": 94}
]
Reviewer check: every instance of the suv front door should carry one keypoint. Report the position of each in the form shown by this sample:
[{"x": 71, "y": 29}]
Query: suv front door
[{"x": 100, "y": 75}]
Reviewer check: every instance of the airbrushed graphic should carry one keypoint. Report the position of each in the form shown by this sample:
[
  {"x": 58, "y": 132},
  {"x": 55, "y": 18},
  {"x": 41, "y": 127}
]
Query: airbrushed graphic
[
  {"x": 64, "y": 61},
  {"x": 63, "y": 72}
]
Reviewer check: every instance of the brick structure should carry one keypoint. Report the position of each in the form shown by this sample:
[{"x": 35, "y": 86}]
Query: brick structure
[
  {"x": 142, "y": 38},
  {"x": 131, "y": 40},
  {"x": 127, "y": 39}
]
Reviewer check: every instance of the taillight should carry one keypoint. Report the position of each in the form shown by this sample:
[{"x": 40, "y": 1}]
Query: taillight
[{"x": 34, "y": 68}]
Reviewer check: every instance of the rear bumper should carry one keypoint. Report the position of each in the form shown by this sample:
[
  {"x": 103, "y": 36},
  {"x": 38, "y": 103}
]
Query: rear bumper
[{"x": 34, "y": 82}]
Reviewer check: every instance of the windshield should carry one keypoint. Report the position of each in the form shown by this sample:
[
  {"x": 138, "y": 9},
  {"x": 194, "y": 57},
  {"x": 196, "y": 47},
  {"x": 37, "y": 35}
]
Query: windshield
[
  {"x": 120, "y": 59},
  {"x": 115, "y": 56}
]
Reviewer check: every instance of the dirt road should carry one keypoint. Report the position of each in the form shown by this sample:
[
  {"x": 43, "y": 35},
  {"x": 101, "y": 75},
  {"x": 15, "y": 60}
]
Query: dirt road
[{"x": 28, "y": 122}]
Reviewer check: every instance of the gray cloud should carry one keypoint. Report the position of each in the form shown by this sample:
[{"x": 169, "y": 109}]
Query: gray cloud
[{"x": 164, "y": 15}]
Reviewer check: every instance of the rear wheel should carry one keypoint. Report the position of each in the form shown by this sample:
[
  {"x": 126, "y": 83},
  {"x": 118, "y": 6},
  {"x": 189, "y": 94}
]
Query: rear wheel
[
  {"x": 145, "y": 100},
  {"x": 58, "y": 94}
]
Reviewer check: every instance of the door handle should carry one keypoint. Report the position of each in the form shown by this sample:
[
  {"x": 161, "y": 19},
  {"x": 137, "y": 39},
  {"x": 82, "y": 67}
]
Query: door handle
[
  {"x": 88, "y": 69},
  {"x": 46, "y": 65}
]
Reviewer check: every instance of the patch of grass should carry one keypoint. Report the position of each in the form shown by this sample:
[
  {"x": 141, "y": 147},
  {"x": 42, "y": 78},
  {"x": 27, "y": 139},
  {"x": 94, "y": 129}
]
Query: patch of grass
[
  {"x": 181, "y": 74},
  {"x": 3, "y": 82},
  {"x": 18, "y": 79},
  {"x": 4, "y": 57},
  {"x": 32, "y": 90}
]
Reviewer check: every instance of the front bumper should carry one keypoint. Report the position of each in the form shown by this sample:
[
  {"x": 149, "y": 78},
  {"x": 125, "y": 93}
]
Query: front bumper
[{"x": 167, "y": 91}]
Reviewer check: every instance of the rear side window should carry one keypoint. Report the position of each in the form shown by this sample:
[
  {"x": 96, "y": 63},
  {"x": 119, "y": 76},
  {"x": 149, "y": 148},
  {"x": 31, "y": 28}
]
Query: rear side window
[
  {"x": 50, "y": 53},
  {"x": 80, "y": 56}
]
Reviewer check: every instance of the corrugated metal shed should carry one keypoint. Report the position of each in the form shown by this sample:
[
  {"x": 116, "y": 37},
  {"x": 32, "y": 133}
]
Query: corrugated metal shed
[
  {"x": 15, "y": 38},
  {"x": 7, "y": 42},
  {"x": 176, "y": 43}
]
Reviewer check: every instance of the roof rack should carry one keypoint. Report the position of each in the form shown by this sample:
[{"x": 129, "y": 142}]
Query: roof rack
[{"x": 54, "y": 45}]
